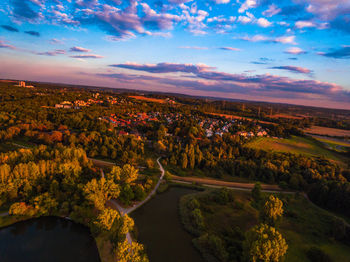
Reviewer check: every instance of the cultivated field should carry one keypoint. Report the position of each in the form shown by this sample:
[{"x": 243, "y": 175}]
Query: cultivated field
[
  {"x": 287, "y": 116},
  {"x": 326, "y": 131},
  {"x": 149, "y": 99},
  {"x": 297, "y": 145}
]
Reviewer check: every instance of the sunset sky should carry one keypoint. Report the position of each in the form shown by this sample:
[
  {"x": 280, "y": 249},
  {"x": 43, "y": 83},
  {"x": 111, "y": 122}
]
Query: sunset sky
[{"x": 292, "y": 51}]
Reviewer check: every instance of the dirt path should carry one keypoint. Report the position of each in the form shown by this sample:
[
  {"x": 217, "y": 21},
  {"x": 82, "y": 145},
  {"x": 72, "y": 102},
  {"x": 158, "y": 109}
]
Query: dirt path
[
  {"x": 128, "y": 210},
  {"x": 234, "y": 185}
]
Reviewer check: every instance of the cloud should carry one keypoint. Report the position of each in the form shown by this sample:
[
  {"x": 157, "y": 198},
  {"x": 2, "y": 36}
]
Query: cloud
[
  {"x": 261, "y": 38},
  {"x": 294, "y": 69},
  {"x": 23, "y": 9},
  {"x": 92, "y": 56},
  {"x": 343, "y": 52},
  {"x": 79, "y": 49},
  {"x": 3, "y": 44},
  {"x": 164, "y": 67},
  {"x": 295, "y": 51},
  {"x": 52, "y": 53},
  {"x": 247, "y": 5},
  {"x": 230, "y": 48},
  {"x": 202, "y": 77},
  {"x": 263, "y": 22},
  {"x": 55, "y": 41},
  {"x": 222, "y": 1},
  {"x": 272, "y": 10},
  {"x": 32, "y": 33},
  {"x": 10, "y": 28}
]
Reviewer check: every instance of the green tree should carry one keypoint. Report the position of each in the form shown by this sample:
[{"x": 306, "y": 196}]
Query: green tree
[
  {"x": 264, "y": 244},
  {"x": 256, "y": 192}
]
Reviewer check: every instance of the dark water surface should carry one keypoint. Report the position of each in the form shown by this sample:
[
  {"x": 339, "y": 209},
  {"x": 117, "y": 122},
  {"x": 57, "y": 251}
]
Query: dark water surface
[
  {"x": 160, "y": 229},
  {"x": 47, "y": 239}
]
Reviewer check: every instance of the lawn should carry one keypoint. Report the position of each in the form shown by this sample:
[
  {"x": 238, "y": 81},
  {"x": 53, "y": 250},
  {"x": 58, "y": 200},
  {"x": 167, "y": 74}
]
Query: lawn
[
  {"x": 297, "y": 145},
  {"x": 303, "y": 225}
]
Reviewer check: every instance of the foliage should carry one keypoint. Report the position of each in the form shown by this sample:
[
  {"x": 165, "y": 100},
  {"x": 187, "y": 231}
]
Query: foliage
[
  {"x": 264, "y": 243},
  {"x": 133, "y": 252},
  {"x": 272, "y": 210}
]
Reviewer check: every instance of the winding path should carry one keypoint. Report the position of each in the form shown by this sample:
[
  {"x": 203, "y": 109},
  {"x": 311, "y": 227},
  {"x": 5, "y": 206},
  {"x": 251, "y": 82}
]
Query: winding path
[{"x": 127, "y": 210}]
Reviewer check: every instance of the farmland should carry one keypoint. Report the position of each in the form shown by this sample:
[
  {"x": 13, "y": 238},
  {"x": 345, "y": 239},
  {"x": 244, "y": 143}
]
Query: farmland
[
  {"x": 149, "y": 99},
  {"x": 326, "y": 131}
]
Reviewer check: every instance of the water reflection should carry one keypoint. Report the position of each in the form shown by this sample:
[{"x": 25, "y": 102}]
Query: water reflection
[{"x": 47, "y": 239}]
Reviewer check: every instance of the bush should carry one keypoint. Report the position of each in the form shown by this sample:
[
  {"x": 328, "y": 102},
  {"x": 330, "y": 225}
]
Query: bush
[{"x": 317, "y": 255}]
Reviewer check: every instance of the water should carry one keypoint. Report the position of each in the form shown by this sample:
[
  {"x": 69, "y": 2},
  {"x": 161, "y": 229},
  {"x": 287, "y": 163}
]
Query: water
[
  {"x": 47, "y": 239},
  {"x": 160, "y": 229}
]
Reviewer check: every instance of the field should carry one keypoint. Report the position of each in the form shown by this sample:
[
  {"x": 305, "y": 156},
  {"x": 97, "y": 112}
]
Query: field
[
  {"x": 149, "y": 99},
  {"x": 303, "y": 225},
  {"x": 336, "y": 144},
  {"x": 326, "y": 131},
  {"x": 297, "y": 145},
  {"x": 286, "y": 116},
  {"x": 240, "y": 118}
]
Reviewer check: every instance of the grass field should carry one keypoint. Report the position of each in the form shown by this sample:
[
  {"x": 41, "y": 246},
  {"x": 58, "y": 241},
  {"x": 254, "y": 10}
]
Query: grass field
[
  {"x": 303, "y": 224},
  {"x": 336, "y": 144},
  {"x": 326, "y": 131},
  {"x": 297, "y": 145}
]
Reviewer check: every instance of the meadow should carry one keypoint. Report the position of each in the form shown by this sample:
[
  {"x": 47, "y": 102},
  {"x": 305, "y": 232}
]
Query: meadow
[{"x": 297, "y": 145}]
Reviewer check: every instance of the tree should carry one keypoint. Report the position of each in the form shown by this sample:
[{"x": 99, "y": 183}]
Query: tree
[
  {"x": 256, "y": 192},
  {"x": 184, "y": 161},
  {"x": 129, "y": 174},
  {"x": 99, "y": 191},
  {"x": 272, "y": 210},
  {"x": 133, "y": 252},
  {"x": 106, "y": 218},
  {"x": 264, "y": 244}
]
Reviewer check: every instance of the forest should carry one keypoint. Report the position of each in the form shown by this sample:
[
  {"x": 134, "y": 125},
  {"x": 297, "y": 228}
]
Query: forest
[{"x": 47, "y": 158}]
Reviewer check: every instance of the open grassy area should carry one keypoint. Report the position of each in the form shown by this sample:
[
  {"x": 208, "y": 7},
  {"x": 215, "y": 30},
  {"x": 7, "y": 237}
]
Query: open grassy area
[
  {"x": 326, "y": 131},
  {"x": 297, "y": 145},
  {"x": 303, "y": 225}
]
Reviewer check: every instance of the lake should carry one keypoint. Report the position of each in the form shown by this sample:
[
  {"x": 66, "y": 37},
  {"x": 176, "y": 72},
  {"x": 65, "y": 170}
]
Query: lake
[
  {"x": 160, "y": 229},
  {"x": 47, "y": 239}
]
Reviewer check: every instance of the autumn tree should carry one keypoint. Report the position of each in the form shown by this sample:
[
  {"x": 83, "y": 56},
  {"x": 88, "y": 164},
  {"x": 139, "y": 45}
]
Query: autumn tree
[
  {"x": 99, "y": 191},
  {"x": 133, "y": 252},
  {"x": 106, "y": 218},
  {"x": 264, "y": 244},
  {"x": 272, "y": 210}
]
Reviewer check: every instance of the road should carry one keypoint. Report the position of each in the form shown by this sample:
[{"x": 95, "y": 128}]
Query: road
[
  {"x": 4, "y": 214},
  {"x": 127, "y": 210}
]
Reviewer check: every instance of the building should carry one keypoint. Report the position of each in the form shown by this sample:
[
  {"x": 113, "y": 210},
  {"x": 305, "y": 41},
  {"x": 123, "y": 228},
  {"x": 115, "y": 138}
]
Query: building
[
  {"x": 64, "y": 104},
  {"x": 23, "y": 84}
]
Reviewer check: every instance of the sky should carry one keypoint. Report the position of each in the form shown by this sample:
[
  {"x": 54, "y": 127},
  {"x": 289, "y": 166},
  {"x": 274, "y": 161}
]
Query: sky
[{"x": 288, "y": 51}]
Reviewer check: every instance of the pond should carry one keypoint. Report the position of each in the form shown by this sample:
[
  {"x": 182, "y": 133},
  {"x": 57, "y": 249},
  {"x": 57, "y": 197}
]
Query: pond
[
  {"x": 160, "y": 229},
  {"x": 47, "y": 239}
]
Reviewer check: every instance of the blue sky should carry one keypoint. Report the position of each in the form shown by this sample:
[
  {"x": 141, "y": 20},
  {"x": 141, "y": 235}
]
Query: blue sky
[{"x": 292, "y": 51}]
